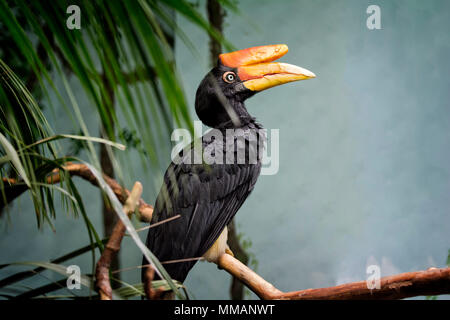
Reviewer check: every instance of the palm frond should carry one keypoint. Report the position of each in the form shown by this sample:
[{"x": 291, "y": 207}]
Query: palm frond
[{"x": 122, "y": 58}]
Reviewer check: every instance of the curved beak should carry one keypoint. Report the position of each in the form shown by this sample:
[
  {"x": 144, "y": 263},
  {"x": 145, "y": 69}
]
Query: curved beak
[{"x": 257, "y": 71}]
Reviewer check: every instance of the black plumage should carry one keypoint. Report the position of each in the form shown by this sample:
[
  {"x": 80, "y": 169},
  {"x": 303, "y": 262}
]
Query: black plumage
[
  {"x": 207, "y": 196},
  {"x": 208, "y": 193}
]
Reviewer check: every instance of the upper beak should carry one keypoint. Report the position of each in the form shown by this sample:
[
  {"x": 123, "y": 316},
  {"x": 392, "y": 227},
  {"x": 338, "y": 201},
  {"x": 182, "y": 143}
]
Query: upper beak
[{"x": 257, "y": 71}]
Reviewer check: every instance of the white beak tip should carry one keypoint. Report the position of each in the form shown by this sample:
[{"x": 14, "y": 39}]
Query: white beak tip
[{"x": 308, "y": 73}]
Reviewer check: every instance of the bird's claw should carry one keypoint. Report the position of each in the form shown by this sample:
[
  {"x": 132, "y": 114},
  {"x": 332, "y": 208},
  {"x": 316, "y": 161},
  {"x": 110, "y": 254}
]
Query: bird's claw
[{"x": 228, "y": 251}]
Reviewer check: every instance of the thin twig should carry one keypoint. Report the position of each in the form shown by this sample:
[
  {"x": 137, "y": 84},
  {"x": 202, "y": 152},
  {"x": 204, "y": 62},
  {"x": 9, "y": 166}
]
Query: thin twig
[
  {"x": 14, "y": 188},
  {"x": 158, "y": 223},
  {"x": 102, "y": 282},
  {"x": 163, "y": 262},
  {"x": 150, "y": 293}
]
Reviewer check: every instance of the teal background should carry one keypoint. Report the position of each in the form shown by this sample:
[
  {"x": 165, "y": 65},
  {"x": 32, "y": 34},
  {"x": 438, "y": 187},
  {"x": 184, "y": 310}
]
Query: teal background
[{"x": 364, "y": 173}]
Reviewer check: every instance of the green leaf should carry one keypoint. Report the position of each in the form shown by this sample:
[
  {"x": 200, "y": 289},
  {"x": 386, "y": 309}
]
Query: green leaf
[
  {"x": 26, "y": 274},
  {"x": 58, "y": 268},
  {"x": 14, "y": 158},
  {"x": 76, "y": 137},
  {"x": 130, "y": 291},
  {"x": 62, "y": 270},
  {"x": 132, "y": 231}
]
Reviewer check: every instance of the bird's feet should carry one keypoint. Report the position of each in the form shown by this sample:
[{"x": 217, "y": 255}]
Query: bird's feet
[{"x": 228, "y": 251}]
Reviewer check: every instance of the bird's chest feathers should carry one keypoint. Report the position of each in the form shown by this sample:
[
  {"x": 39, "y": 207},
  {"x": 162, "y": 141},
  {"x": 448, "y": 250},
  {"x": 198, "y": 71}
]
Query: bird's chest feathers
[
  {"x": 218, "y": 248},
  {"x": 225, "y": 146},
  {"x": 234, "y": 146}
]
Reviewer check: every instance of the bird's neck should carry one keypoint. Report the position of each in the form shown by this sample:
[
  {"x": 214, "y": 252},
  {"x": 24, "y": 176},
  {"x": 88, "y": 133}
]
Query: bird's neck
[
  {"x": 237, "y": 117},
  {"x": 240, "y": 122}
]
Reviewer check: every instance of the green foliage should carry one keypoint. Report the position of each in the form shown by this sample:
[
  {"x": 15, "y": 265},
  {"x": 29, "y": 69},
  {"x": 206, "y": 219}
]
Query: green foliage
[
  {"x": 28, "y": 151},
  {"x": 127, "y": 291},
  {"x": 122, "y": 58}
]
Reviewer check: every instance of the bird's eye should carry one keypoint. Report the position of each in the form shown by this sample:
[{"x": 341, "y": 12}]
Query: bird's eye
[{"x": 229, "y": 77}]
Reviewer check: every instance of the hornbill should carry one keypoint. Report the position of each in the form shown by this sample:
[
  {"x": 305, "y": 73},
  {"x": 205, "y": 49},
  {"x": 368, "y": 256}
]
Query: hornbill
[{"x": 207, "y": 185}]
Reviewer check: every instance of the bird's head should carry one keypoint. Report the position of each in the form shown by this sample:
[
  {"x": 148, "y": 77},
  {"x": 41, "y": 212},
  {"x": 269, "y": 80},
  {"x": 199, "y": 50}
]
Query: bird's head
[{"x": 238, "y": 76}]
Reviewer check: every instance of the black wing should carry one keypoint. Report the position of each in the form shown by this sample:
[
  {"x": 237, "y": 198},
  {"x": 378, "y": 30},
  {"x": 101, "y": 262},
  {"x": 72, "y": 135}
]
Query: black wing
[{"x": 207, "y": 197}]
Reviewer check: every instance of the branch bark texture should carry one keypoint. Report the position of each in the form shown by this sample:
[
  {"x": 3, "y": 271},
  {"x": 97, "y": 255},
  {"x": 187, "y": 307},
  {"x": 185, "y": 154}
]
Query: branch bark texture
[
  {"x": 82, "y": 171},
  {"x": 102, "y": 282},
  {"x": 433, "y": 281}
]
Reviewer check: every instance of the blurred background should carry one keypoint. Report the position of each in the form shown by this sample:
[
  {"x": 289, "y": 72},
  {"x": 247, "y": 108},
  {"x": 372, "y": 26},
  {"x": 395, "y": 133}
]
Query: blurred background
[{"x": 364, "y": 175}]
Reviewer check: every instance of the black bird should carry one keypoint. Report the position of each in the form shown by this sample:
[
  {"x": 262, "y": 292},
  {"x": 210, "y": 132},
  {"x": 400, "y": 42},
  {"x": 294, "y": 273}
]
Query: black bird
[{"x": 208, "y": 182}]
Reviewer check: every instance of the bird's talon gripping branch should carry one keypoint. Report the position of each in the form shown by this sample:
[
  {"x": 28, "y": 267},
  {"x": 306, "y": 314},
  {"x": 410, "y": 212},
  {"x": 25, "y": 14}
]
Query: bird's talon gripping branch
[{"x": 228, "y": 251}]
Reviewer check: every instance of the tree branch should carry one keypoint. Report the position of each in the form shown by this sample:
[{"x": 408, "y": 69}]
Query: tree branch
[
  {"x": 151, "y": 293},
  {"x": 112, "y": 247},
  {"x": 410, "y": 284},
  {"x": 12, "y": 190},
  {"x": 251, "y": 279},
  {"x": 404, "y": 285}
]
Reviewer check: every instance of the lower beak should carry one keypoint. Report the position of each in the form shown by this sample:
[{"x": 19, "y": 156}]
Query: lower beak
[{"x": 258, "y": 77}]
